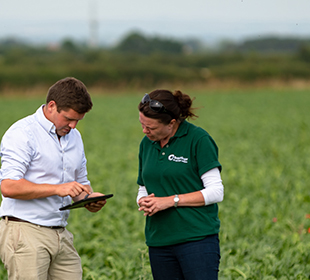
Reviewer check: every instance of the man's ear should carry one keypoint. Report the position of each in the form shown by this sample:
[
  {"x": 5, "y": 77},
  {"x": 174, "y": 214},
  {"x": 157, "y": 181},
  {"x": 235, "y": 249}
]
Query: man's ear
[
  {"x": 51, "y": 106},
  {"x": 49, "y": 110}
]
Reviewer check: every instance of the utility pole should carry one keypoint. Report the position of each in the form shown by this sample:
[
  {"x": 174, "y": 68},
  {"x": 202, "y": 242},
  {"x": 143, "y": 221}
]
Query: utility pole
[{"x": 93, "y": 24}]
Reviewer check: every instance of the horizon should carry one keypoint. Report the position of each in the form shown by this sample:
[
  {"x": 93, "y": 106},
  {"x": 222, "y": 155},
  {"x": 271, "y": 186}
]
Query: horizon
[
  {"x": 79, "y": 32},
  {"x": 107, "y": 23}
]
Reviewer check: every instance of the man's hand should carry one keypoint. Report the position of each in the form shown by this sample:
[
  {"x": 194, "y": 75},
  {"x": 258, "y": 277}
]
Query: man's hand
[
  {"x": 73, "y": 189},
  {"x": 95, "y": 206}
]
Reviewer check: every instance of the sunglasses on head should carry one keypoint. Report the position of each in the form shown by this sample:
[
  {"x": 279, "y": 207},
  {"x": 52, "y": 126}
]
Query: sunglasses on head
[{"x": 156, "y": 106}]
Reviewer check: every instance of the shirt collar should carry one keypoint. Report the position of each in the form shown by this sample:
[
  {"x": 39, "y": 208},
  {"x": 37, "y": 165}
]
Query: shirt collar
[
  {"x": 43, "y": 121},
  {"x": 182, "y": 129}
]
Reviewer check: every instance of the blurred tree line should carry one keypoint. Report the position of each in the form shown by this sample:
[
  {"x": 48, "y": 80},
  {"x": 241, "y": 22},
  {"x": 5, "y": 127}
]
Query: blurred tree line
[{"x": 139, "y": 61}]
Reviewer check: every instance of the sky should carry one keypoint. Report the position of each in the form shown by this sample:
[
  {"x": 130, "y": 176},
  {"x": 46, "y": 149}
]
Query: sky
[{"x": 40, "y": 21}]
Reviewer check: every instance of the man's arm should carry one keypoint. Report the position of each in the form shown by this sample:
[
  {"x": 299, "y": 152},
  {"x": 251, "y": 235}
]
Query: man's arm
[{"x": 25, "y": 190}]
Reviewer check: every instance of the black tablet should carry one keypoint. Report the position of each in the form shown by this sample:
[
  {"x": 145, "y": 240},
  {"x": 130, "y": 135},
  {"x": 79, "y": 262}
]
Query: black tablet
[{"x": 83, "y": 202}]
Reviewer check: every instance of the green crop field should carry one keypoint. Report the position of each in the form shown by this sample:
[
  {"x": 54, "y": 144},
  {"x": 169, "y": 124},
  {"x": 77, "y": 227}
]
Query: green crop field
[{"x": 264, "y": 143}]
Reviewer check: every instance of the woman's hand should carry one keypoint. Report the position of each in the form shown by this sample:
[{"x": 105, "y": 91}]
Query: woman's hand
[{"x": 151, "y": 204}]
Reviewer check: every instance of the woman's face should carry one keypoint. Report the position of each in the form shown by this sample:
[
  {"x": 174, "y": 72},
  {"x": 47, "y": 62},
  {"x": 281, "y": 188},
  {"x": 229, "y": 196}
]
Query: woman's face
[{"x": 155, "y": 130}]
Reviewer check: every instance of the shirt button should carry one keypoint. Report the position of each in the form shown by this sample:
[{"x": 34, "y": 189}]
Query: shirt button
[
  {"x": 163, "y": 153},
  {"x": 167, "y": 146}
]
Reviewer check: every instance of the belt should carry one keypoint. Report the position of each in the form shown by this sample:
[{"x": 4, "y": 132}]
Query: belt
[{"x": 13, "y": 219}]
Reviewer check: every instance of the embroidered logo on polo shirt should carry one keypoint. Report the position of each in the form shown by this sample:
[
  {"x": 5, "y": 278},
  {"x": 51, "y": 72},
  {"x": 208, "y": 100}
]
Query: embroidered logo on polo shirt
[{"x": 174, "y": 158}]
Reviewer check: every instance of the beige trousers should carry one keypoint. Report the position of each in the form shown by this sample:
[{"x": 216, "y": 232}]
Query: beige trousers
[{"x": 31, "y": 252}]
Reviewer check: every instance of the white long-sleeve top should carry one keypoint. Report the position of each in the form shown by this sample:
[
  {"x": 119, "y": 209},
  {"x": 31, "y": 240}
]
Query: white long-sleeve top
[{"x": 213, "y": 191}]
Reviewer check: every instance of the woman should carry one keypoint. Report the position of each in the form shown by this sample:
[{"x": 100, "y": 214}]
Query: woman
[{"x": 179, "y": 187}]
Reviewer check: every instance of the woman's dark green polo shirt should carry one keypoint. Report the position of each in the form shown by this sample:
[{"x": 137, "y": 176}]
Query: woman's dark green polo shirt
[{"x": 176, "y": 169}]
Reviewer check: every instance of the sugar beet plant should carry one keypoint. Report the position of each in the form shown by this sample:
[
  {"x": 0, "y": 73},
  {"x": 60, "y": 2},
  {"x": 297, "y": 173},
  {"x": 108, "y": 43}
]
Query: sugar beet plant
[{"x": 263, "y": 138}]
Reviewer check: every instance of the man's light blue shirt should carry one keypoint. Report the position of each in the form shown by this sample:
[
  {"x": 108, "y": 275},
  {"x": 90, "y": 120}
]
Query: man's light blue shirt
[{"x": 30, "y": 149}]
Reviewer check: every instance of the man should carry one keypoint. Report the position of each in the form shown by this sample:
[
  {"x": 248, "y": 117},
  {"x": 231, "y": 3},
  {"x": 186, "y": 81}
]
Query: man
[{"x": 43, "y": 167}]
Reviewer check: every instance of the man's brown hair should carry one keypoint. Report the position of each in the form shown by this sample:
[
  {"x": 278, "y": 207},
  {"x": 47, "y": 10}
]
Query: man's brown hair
[{"x": 70, "y": 93}]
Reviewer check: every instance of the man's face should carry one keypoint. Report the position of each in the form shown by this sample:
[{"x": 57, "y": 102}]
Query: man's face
[{"x": 64, "y": 121}]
